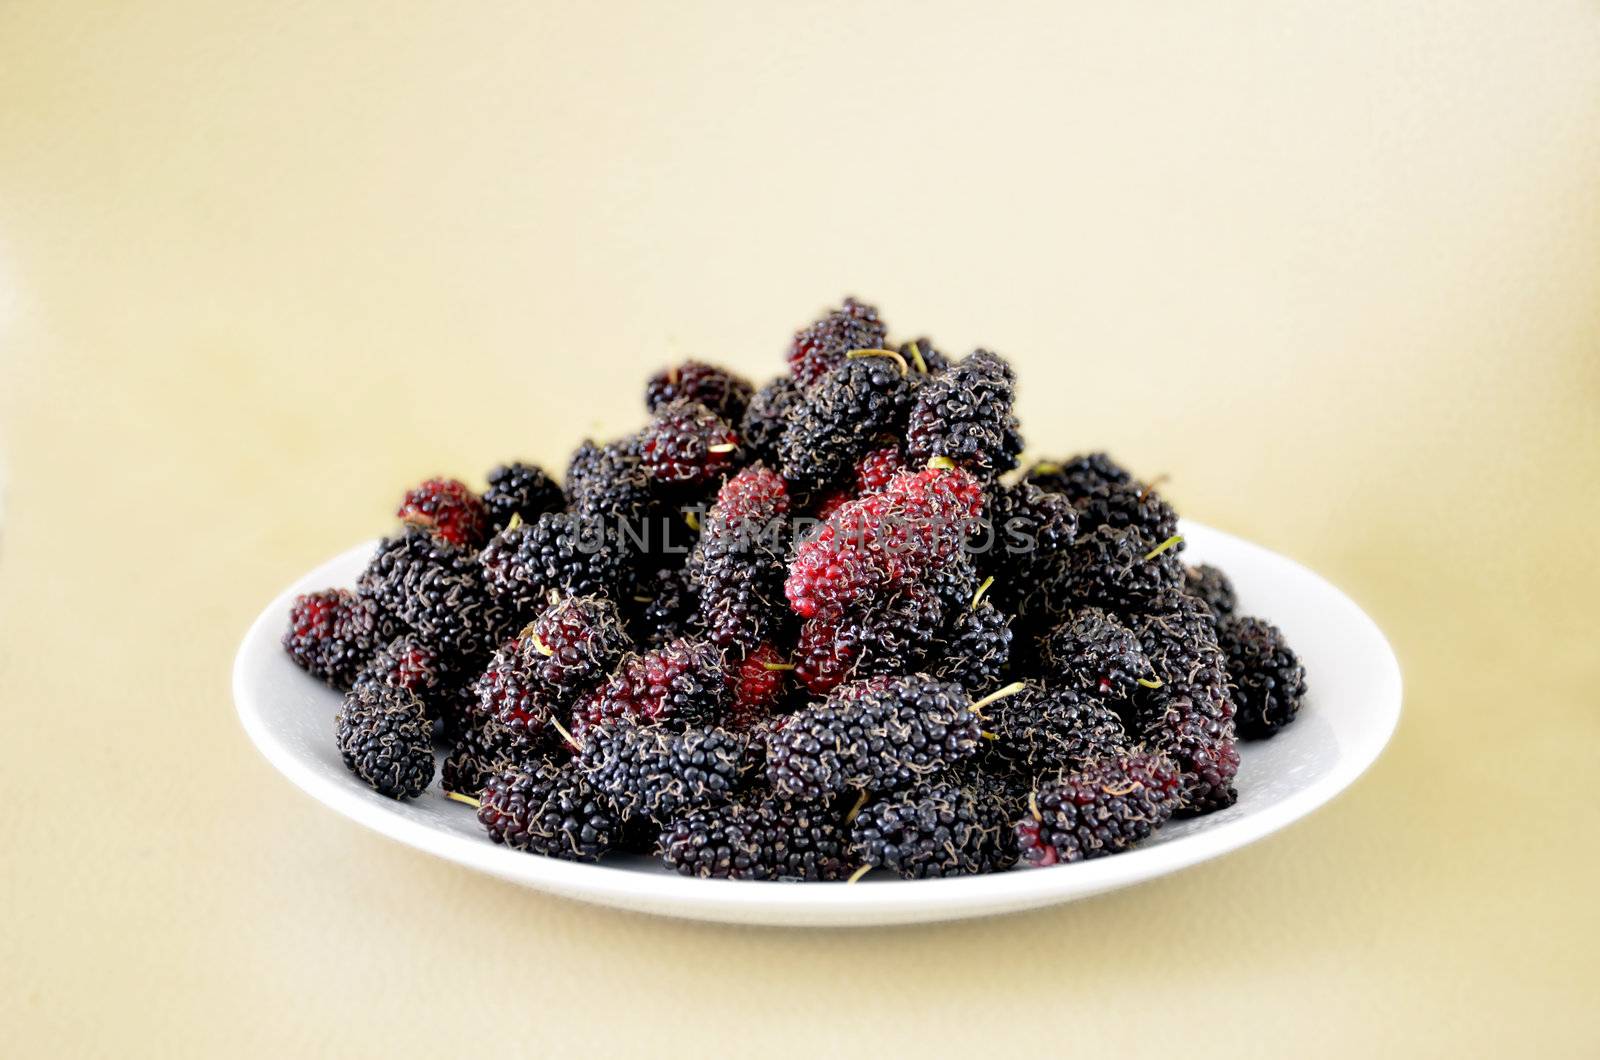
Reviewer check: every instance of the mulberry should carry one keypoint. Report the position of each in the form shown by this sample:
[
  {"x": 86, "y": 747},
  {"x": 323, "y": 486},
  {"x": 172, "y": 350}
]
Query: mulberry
[
  {"x": 937, "y": 828},
  {"x": 447, "y": 508},
  {"x": 965, "y": 415},
  {"x": 1268, "y": 679},
  {"x": 521, "y": 490},
  {"x": 386, "y": 740},
  {"x": 550, "y": 811},
  {"x": 331, "y": 635},
  {"x": 822, "y": 347},
  {"x": 718, "y": 389},
  {"x": 1103, "y": 809},
  {"x": 880, "y": 739}
]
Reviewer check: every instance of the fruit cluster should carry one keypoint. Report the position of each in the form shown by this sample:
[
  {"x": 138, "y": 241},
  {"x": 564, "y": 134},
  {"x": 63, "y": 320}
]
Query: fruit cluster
[{"x": 803, "y": 631}]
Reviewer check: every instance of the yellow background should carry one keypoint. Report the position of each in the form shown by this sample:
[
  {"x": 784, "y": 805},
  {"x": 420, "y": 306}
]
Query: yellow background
[{"x": 1335, "y": 268}]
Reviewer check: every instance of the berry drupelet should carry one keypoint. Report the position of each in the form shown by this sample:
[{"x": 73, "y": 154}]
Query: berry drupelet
[
  {"x": 756, "y": 686},
  {"x": 768, "y": 839},
  {"x": 1269, "y": 682},
  {"x": 841, "y": 415},
  {"x": 410, "y": 663},
  {"x": 332, "y": 633},
  {"x": 975, "y": 649},
  {"x": 737, "y": 567},
  {"x": 681, "y": 683},
  {"x": 1209, "y": 584},
  {"x": 574, "y": 645},
  {"x": 1191, "y": 715},
  {"x": 891, "y": 636},
  {"x": 877, "y": 467},
  {"x": 1078, "y": 477},
  {"x": 548, "y": 810},
  {"x": 872, "y": 546},
  {"x": 437, "y": 590},
  {"x": 1093, "y": 651},
  {"x": 878, "y": 738},
  {"x": 822, "y": 346},
  {"x": 386, "y": 740},
  {"x": 561, "y": 553},
  {"x": 608, "y": 481},
  {"x": 448, "y": 508},
  {"x": 718, "y": 389},
  {"x": 521, "y": 490},
  {"x": 1027, "y": 530},
  {"x": 767, "y": 417},
  {"x": 1104, "y": 808},
  {"x": 1123, "y": 569},
  {"x": 1127, "y": 504},
  {"x": 666, "y": 607},
  {"x": 687, "y": 445},
  {"x": 936, "y": 828},
  {"x": 652, "y": 772},
  {"x": 1048, "y": 730},
  {"x": 965, "y": 415}
]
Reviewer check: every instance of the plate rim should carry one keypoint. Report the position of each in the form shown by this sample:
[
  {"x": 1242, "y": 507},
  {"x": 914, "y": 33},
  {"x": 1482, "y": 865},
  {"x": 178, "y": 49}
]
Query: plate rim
[{"x": 884, "y": 900}]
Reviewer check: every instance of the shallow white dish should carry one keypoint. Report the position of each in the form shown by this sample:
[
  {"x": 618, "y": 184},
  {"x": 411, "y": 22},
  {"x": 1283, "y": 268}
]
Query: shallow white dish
[{"x": 1352, "y": 708}]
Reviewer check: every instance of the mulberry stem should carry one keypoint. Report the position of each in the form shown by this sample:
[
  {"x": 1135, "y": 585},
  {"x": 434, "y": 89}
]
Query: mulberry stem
[
  {"x": 856, "y": 875},
  {"x": 465, "y": 799},
  {"x": 893, "y": 354},
  {"x": 1168, "y": 543},
  {"x": 1009, "y": 690}
]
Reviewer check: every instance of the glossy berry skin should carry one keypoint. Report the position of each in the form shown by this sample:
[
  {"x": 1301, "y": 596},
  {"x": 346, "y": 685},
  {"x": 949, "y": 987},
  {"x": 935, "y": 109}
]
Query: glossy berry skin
[
  {"x": 767, "y": 839},
  {"x": 687, "y": 445},
  {"x": 1211, "y": 585},
  {"x": 574, "y": 644},
  {"x": 975, "y": 649},
  {"x": 871, "y": 546},
  {"x": 646, "y": 771},
  {"x": 521, "y": 490},
  {"x": 840, "y": 419},
  {"x": 331, "y": 635},
  {"x": 767, "y": 417},
  {"x": 1078, "y": 477},
  {"x": 876, "y": 737},
  {"x": 721, "y": 391},
  {"x": 448, "y": 508},
  {"x": 550, "y": 811},
  {"x": 1269, "y": 682},
  {"x": 822, "y": 346},
  {"x": 679, "y": 684},
  {"x": 437, "y": 590},
  {"x": 937, "y": 828},
  {"x": 1104, "y": 808},
  {"x": 557, "y": 553},
  {"x": 1094, "y": 652},
  {"x": 756, "y": 686},
  {"x": 893, "y": 636},
  {"x": 385, "y": 739},
  {"x": 965, "y": 415},
  {"x": 1048, "y": 729}
]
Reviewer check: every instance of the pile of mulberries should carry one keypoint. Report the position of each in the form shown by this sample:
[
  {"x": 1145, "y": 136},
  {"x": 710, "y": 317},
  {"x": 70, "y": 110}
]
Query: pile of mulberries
[{"x": 805, "y": 630}]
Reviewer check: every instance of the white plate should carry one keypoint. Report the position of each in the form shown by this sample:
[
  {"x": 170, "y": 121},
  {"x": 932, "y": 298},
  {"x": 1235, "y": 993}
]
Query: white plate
[{"x": 1351, "y": 711}]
